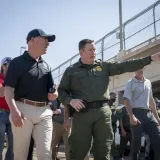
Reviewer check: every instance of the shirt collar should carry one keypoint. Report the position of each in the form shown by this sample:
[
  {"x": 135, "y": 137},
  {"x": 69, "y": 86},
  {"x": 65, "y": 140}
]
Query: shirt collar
[
  {"x": 80, "y": 64},
  {"x": 136, "y": 80},
  {"x": 28, "y": 57}
]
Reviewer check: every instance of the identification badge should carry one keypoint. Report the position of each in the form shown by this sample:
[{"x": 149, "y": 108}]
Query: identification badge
[{"x": 98, "y": 68}]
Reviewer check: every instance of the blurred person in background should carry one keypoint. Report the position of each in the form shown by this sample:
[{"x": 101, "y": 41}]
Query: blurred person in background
[
  {"x": 114, "y": 118},
  {"x": 141, "y": 107},
  {"x": 59, "y": 132},
  {"x": 5, "y": 125},
  {"x": 124, "y": 131}
]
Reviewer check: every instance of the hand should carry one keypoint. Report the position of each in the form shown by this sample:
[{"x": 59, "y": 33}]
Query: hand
[
  {"x": 155, "y": 57},
  {"x": 17, "y": 118},
  {"x": 57, "y": 111},
  {"x": 77, "y": 104},
  {"x": 67, "y": 124},
  {"x": 123, "y": 133},
  {"x": 158, "y": 121},
  {"x": 52, "y": 96},
  {"x": 134, "y": 121}
]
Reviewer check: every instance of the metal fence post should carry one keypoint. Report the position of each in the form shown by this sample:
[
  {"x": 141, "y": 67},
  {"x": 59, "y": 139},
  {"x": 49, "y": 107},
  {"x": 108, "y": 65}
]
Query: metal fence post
[
  {"x": 102, "y": 49},
  {"x": 154, "y": 21},
  {"x": 124, "y": 36},
  {"x": 120, "y": 25}
]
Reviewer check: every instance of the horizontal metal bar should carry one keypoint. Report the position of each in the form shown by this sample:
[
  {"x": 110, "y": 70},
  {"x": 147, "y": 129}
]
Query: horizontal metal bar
[{"x": 115, "y": 30}]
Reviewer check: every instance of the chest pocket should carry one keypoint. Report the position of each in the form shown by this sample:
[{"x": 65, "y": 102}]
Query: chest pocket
[
  {"x": 99, "y": 73},
  {"x": 100, "y": 78},
  {"x": 100, "y": 81},
  {"x": 80, "y": 80}
]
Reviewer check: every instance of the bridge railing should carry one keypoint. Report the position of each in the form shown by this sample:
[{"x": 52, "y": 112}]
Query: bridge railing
[{"x": 137, "y": 32}]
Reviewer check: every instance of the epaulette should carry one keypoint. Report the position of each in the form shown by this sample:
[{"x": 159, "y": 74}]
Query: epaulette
[
  {"x": 72, "y": 65},
  {"x": 99, "y": 62}
]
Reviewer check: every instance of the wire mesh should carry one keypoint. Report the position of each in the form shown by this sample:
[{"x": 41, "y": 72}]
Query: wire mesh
[{"x": 137, "y": 30}]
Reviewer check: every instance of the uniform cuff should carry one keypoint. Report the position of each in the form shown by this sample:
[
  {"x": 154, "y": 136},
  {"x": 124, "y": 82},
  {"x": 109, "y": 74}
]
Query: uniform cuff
[
  {"x": 67, "y": 101},
  {"x": 150, "y": 58},
  {"x": 146, "y": 60}
]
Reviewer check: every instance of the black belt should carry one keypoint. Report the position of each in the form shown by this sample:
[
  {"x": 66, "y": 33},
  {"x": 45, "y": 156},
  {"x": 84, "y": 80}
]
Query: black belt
[
  {"x": 90, "y": 105},
  {"x": 95, "y": 104},
  {"x": 141, "y": 109}
]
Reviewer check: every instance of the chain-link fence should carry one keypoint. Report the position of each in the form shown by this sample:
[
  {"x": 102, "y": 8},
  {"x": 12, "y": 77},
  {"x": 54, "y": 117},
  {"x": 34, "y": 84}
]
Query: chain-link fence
[{"x": 137, "y": 32}]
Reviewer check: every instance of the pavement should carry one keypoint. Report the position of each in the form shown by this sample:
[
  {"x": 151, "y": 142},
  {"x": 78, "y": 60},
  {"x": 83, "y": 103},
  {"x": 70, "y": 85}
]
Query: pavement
[{"x": 61, "y": 155}]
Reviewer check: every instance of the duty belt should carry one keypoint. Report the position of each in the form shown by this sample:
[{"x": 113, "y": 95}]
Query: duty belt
[
  {"x": 95, "y": 104},
  {"x": 90, "y": 105}
]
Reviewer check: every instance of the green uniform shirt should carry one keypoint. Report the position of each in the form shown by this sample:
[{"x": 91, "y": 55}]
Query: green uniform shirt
[{"x": 90, "y": 82}]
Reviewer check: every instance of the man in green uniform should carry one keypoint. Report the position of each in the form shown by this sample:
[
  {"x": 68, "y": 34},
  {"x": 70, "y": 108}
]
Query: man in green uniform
[
  {"x": 114, "y": 118},
  {"x": 84, "y": 86},
  {"x": 124, "y": 130}
]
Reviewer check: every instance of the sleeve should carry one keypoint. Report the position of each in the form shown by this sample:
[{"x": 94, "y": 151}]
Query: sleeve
[
  {"x": 64, "y": 89},
  {"x": 127, "y": 66},
  {"x": 50, "y": 81},
  {"x": 128, "y": 91},
  {"x": 11, "y": 78}
]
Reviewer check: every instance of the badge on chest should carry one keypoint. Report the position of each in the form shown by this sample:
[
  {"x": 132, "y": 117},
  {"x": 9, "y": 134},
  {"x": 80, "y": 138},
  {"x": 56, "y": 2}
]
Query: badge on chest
[{"x": 99, "y": 68}]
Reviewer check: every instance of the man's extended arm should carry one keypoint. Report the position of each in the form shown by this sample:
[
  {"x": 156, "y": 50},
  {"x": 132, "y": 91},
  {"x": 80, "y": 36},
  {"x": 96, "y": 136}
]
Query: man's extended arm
[
  {"x": 131, "y": 65},
  {"x": 117, "y": 68}
]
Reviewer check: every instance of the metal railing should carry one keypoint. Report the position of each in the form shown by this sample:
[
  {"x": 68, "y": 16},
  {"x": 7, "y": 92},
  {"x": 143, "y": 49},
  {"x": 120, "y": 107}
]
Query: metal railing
[{"x": 137, "y": 32}]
